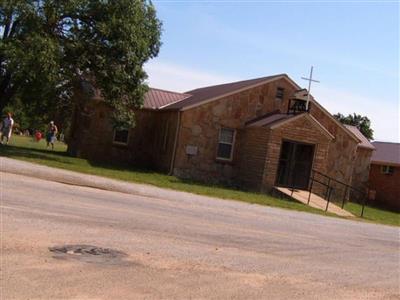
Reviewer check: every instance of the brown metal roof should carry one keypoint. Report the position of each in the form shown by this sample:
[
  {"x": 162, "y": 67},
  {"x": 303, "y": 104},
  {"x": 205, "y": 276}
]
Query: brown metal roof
[
  {"x": 386, "y": 153},
  {"x": 210, "y": 92},
  {"x": 156, "y": 98},
  {"x": 364, "y": 141},
  {"x": 268, "y": 120}
]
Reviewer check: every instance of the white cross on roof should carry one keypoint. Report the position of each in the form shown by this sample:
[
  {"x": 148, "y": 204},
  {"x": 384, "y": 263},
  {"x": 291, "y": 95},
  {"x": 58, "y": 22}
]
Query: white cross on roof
[{"x": 310, "y": 79}]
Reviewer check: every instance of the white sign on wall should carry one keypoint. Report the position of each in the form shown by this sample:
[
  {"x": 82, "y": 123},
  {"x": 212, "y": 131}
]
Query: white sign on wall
[{"x": 191, "y": 150}]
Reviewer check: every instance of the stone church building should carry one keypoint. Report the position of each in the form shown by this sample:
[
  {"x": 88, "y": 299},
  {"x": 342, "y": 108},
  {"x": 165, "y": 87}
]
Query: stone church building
[{"x": 255, "y": 134}]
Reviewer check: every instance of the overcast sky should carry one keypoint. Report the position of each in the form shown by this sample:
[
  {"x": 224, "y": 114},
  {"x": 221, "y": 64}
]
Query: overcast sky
[{"x": 353, "y": 45}]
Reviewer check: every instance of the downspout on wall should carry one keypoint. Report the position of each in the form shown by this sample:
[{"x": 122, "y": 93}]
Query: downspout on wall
[{"x": 178, "y": 126}]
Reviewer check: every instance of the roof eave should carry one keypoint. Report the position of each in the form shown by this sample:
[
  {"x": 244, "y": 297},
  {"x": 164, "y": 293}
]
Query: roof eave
[
  {"x": 233, "y": 92},
  {"x": 366, "y": 147},
  {"x": 385, "y": 163},
  {"x": 323, "y": 130},
  {"x": 169, "y": 104},
  {"x": 336, "y": 121}
]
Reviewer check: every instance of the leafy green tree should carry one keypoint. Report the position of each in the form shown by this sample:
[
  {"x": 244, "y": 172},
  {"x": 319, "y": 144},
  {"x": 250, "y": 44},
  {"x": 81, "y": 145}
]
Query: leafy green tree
[
  {"x": 361, "y": 122},
  {"x": 47, "y": 46},
  {"x": 27, "y": 117}
]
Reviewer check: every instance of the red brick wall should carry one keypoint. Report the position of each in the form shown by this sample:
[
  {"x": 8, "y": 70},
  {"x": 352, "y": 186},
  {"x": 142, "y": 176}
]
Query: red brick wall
[
  {"x": 387, "y": 187},
  {"x": 93, "y": 137},
  {"x": 253, "y": 150},
  {"x": 300, "y": 130}
]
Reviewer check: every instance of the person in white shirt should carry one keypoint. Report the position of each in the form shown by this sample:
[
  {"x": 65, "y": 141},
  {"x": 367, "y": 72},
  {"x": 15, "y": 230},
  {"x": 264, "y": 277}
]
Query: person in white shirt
[
  {"x": 51, "y": 136},
  {"x": 6, "y": 128}
]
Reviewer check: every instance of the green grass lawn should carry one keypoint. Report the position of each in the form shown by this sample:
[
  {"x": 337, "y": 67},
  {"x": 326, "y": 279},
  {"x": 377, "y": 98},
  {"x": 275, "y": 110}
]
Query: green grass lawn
[
  {"x": 374, "y": 214},
  {"x": 26, "y": 149}
]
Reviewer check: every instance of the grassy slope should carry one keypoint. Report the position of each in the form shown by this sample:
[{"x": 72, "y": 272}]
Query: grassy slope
[{"x": 25, "y": 149}]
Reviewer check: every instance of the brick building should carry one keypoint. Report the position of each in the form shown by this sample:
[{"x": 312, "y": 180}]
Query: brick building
[
  {"x": 255, "y": 134},
  {"x": 384, "y": 176}
]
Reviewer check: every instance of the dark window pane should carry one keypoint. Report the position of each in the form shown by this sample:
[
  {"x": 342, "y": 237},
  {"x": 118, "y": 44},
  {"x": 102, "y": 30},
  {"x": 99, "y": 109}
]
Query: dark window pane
[
  {"x": 280, "y": 92},
  {"x": 304, "y": 152},
  {"x": 282, "y": 172},
  {"x": 387, "y": 169},
  {"x": 121, "y": 136},
  {"x": 224, "y": 151},
  {"x": 286, "y": 150}
]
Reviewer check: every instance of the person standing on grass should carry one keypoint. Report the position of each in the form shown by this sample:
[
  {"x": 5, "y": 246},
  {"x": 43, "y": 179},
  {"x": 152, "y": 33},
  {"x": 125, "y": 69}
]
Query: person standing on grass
[
  {"x": 51, "y": 136},
  {"x": 38, "y": 136},
  {"x": 6, "y": 128}
]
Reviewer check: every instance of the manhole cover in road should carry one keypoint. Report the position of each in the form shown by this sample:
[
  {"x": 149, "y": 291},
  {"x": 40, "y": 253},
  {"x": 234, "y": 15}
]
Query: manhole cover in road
[{"x": 88, "y": 253}]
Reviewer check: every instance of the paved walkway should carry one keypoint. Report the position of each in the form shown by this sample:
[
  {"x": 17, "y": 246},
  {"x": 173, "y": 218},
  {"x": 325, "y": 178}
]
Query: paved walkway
[{"x": 315, "y": 201}]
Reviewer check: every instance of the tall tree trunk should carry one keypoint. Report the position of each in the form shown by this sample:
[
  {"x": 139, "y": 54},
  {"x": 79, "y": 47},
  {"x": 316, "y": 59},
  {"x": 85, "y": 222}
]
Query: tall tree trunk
[
  {"x": 6, "y": 91},
  {"x": 5, "y": 100}
]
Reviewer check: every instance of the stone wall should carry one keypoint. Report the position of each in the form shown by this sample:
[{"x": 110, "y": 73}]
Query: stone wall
[
  {"x": 387, "y": 186},
  {"x": 342, "y": 151},
  {"x": 200, "y": 128},
  {"x": 361, "y": 168}
]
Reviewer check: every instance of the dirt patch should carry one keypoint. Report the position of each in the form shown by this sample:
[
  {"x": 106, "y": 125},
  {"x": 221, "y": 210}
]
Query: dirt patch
[{"x": 89, "y": 254}]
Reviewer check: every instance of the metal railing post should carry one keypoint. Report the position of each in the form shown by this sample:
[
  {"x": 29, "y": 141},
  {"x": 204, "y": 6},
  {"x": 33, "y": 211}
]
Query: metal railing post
[
  {"x": 363, "y": 205},
  {"x": 329, "y": 196},
  {"x": 311, "y": 185},
  {"x": 344, "y": 197},
  {"x": 326, "y": 182},
  {"x": 327, "y": 188},
  {"x": 362, "y": 210}
]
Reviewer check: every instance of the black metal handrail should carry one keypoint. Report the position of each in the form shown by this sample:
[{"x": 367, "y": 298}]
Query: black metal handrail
[
  {"x": 327, "y": 193},
  {"x": 330, "y": 189},
  {"x": 333, "y": 179}
]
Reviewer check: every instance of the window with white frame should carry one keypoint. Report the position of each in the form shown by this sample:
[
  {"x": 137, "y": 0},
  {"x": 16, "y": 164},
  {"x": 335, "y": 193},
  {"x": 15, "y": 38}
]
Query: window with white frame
[
  {"x": 121, "y": 137},
  {"x": 387, "y": 170},
  {"x": 226, "y": 143}
]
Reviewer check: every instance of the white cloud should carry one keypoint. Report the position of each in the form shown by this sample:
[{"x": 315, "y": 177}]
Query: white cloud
[
  {"x": 384, "y": 115},
  {"x": 173, "y": 77}
]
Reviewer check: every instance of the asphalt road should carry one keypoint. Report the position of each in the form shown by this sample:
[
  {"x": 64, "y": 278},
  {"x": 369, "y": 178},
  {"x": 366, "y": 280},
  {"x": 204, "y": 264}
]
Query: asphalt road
[{"x": 184, "y": 248}]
